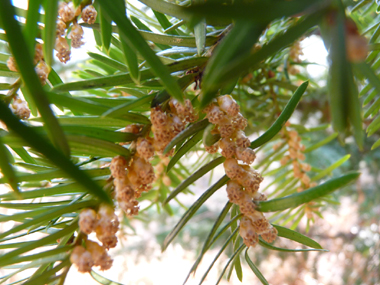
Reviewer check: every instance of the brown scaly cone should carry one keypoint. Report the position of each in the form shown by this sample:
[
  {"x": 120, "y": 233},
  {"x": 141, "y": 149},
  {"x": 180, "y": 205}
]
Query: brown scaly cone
[{"x": 243, "y": 187}]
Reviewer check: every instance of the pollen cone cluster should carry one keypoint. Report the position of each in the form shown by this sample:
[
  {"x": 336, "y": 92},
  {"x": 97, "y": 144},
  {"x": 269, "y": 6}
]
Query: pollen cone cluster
[
  {"x": 295, "y": 156},
  {"x": 243, "y": 187},
  {"x": 41, "y": 67},
  {"x": 68, "y": 17},
  {"x": 295, "y": 54},
  {"x": 167, "y": 124},
  {"x": 105, "y": 224},
  {"x": 19, "y": 107},
  {"x": 136, "y": 175}
]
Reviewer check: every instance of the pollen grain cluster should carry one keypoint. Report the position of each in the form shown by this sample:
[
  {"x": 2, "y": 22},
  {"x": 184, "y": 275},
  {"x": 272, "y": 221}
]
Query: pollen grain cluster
[{"x": 243, "y": 187}]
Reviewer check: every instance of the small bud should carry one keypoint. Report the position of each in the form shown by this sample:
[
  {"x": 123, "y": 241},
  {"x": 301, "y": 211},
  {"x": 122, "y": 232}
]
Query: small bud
[
  {"x": 305, "y": 167},
  {"x": 239, "y": 122},
  {"x": 108, "y": 241},
  {"x": 124, "y": 189},
  {"x": 313, "y": 184},
  {"x": 63, "y": 49},
  {"x": 215, "y": 115},
  {"x": 293, "y": 144},
  {"x": 144, "y": 148},
  {"x": 250, "y": 184},
  {"x": 132, "y": 128},
  {"x": 235, "y": 192},
  {"x": 42, "y": 71},
  {"x": 130, "y": 208},
  {"x": 118, "y": 166},
  {"x": 297, "y": 172},
  {"x": 305, "y": 179},
  {"x": 259, "y": 222},
  {"x": 159, "y": 168},
  {"x": 301, "y": 156},
  {"x": 212, "y": 149},
  {"x": 247, "y": 155},
  {"x": 251, "y": 174},
  {"x": 87, "y": 221},
  {"x": 241, "y": 139},
  {"x": 107, "y": 226},
  {"x": 270, "y": 235},
  {"x": 184, "y": 111},
  {"x": 228, "y": 105},
  {"x": 247, "y": 232},
  {"x": 82, "y": 259},
  {"x": 247, "y": 206},
  {"x": 11, "y": 63},
  {"x": 284, "y": 160},
  {"x": 77, "y": 10},
  {"x": 66, "y": 12},
  {"x": 61, "y": 28},
  {"x": 176, "y": 124},
  {"x": 226, "y": 128},
  {"x": 228, "y": 147},
  {"x": 259, "y": 197},
  {"x": 144, "y": 171},
  {"x": 20, "y": 109},
  {"x": 158, "y": 118},
  {"x": 106, "y": 213},
  {"x": 233, "y": 169},
  {"x": 89, "y": 14},
  {"x": 292, "y": 153},
  {"x": 38, "y": 54},
  {"x": 293, "y": 135},
  {"x": 76, "y": 35},
  {"x": 99, "y": 255}
]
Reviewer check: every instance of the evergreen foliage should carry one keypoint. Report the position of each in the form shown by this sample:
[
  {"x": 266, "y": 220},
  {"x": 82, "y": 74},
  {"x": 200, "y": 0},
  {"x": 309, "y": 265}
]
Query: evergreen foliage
[{"x": 66, "y": 164}]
